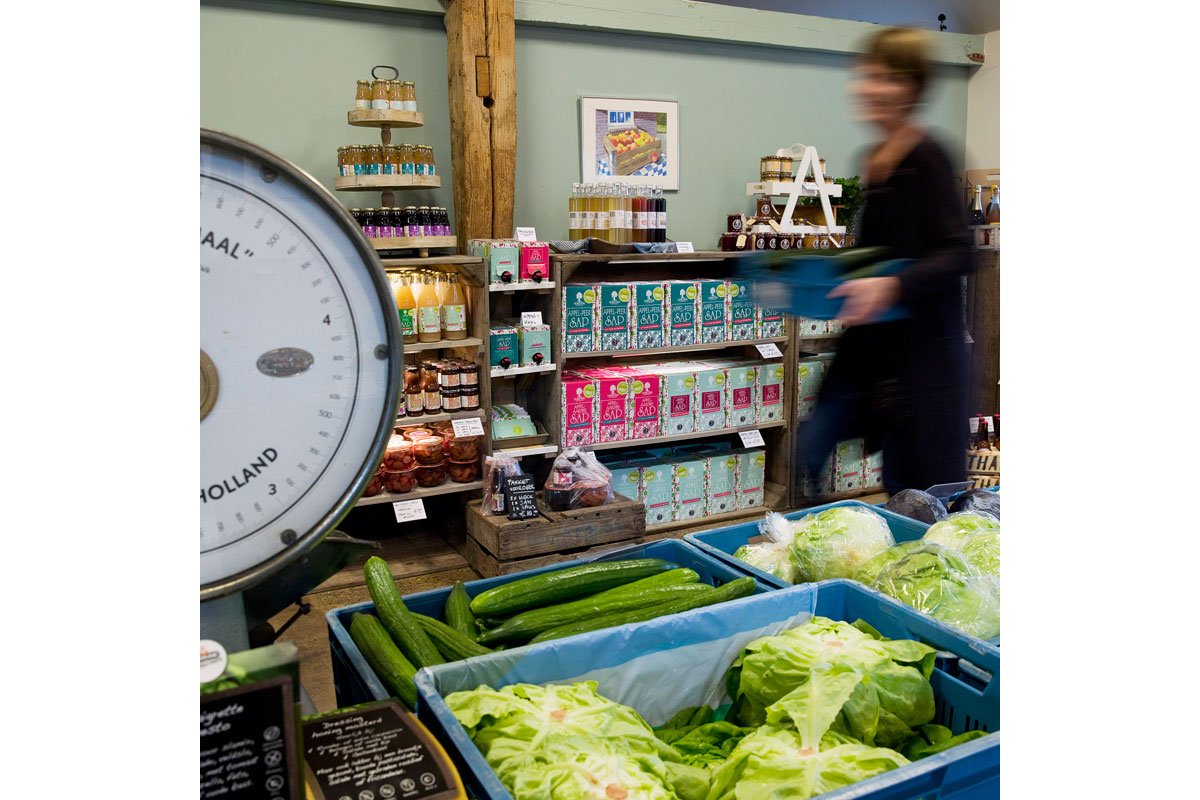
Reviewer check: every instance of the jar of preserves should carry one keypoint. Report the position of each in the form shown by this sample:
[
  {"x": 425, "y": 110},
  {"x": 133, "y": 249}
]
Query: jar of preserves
[
  {"x": 449, "y": 375},
  {"x": 592, "y": 493},
  {"x": 414, "y": 397},
  {"x": 463, "y": 471},
  {"x": 431, "y": 387},
  {"x": 429, "y": 449},
  {"x": 400, "y": 481},
  {"x": 362, "y": 96},
  {"x": 409, "y": 94},
  {"x": 469, "y": 395},
  {"x": 408, "y": 160},
  {"x": 391, "y": 160},
  {"x": 468, "y": 375},
  {"x": 430, "y": 475},
  {"x": 416, "y": 433},
  {"x": 395, "y": 96},
  {"x": 374, "y": 159},
  {"x": 358, "y": 158},
  {"x": 375, "y": 485},
  {"x": 379, "y": 95},
  {"x": 443, "y": 428},
  {"x": 451, "y": 401},
  {"x": 463, "y": 448},
  {"x": 399, "y": 454}
]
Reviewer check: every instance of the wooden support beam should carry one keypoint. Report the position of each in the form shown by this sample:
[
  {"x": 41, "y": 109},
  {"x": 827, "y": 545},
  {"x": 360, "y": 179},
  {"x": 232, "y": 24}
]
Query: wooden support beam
[{"x": 502, "y": 49}]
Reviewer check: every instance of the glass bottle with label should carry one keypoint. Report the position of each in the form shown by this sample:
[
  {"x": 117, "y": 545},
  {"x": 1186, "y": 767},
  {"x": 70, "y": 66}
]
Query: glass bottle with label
[
  {"x": 429, "y": 323},
  {"x": 406, "y": 305},
  {"x": 409, "y": 93},
  {"x": 616, "y": 215},
  {"x": 573, "y": 213},
  {"x": 600, "y": 206},
  {"x": 627, "y": 204},
  {"x": 379, "y": 95},
  {"x": 395, "y": 100},
  {"x": 414, "y": 397},
  {"x": 993, "y": 209},
  {"x": 977, "y": 217},
  {"x": 362, "y": 96},
  {"x": 660, "y": 209},
  {"x": 454, "y": 310}
]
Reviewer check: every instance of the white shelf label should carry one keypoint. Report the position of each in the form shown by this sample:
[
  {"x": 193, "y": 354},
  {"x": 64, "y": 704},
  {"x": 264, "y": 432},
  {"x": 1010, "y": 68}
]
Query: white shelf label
[
  {"x": 769, "y": 350},
  {"x": 212, "y": 660},
  {"x": 409, "y": 510},
  {"x": 526, "y": 235},
  {"x": 529, "y": 318},
  {"x": 752, "y": 438},
  {"x": 684, "y": 247},
  {"x": 468, "y": 427}
]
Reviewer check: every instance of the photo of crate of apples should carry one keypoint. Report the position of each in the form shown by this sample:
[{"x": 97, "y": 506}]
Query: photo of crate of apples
[{"x": 631, "y": 149}]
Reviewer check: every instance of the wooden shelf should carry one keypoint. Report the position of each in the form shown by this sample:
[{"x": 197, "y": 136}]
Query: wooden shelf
[
  {"x": 777, "y": 188},
  {"x": 687, "y": 348},
  {"x": 679, "y": 437},
  {"x": 442, "y": 417},
  {"x": 444, "y": 344},
  {"x": 375, "y": 183},
  {"x": 527, "y": 286},
  {"x": 501, "y": 372},
  {"x": 699, "y": 255},
  {"x": 449, "y": 487},
  {"x": 532, "y": 450},
  {"x": 773, "y": 496},
  {"x": 401, "y": 263},
  {"x": 370, "y": 118}
]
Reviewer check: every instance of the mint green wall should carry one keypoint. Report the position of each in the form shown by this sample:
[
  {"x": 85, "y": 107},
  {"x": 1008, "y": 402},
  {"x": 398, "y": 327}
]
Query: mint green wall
[{"x": 282, "y": 75}]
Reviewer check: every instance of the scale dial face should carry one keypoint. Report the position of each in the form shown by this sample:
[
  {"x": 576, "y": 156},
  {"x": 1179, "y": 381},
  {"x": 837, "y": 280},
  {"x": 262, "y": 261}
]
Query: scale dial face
[{"x": 299, "y": 357}]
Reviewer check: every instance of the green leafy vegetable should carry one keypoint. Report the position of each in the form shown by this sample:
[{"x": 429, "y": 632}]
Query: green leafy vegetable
[
  {"x": 835, "y": 542},
  {"x": 933, "y": 739},
  {"x": 773, "y": 558},
  {"x": 953, "y": 530},
  {"x": 939, "y": 581}
]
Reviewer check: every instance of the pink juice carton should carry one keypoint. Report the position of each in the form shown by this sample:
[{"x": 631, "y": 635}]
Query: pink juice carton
[
  {"x": 612, "y": 402},
  {"x": 535, "y": 261},
  {"x": 644, "y": 415},
  {"x": 741, "y": 384},
  {"x": 578, "y": 409},
  {"x": 770, "y": 392},
  {"x": 677, "y": 397},
  {"x": 711, "y": 404}
]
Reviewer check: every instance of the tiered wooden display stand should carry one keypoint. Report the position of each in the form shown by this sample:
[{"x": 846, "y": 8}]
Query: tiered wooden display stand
[{"x": 389, "y": 184}]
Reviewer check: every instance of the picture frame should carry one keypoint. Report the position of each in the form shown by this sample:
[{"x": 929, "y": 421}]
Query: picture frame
[{"x": 630, "y": 141}]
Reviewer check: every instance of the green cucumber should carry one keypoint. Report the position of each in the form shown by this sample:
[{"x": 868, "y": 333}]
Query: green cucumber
[
  {"x": 564, "y": 584},
  {"x": 449, "y": 642},
  {"x": 672, "y": 577},
  {"x": 398, "y": 620},
  {"x": 458, "y": 611},
  {"x": 385, "y": 658},
  {"x": 730, "y": 591},
  {"x": 528, "y": 623}
]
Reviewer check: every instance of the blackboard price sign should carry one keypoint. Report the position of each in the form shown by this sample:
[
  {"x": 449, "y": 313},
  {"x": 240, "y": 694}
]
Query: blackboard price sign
[
  {"x": 248, "y": 742},
  {"x": 375, "y": 751},
  {"x": 520, "y": 497}
]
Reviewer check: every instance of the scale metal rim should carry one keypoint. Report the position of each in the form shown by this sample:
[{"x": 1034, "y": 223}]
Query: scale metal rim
[{"x": 395, "y": 357}]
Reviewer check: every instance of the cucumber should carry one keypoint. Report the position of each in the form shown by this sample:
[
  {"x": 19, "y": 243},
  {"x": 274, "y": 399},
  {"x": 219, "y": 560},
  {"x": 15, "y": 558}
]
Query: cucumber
[
  {"x": 672, "y": 577},
  {"x": 449, "y": 642},
  {"x": 396, "y": 618},
  {"x": 385, "y": 658},
  {"x": 528, "y": 623},
  {"x": 458, "y": 611},
  {"x": 730, "y": 591},
  {"x": 564, "y": 584}
]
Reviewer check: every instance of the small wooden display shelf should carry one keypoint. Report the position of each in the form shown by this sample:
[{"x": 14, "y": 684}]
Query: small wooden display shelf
[
  {"x": 421, "y": 243},
  {"x": 374, "y": 183},
  {"x": 422, "y": 263},
  {"x": 444, "y": 344},
  {"x": 686, "y": 348},
  {"x": 679, "y": 437},
  {"x": 442, "y": 417},
  {"x": 523, "y": 286},
  {"x": 449, "y": 487},
  {"x": 520, "y": 442},
  {"x": 774, "y": 497},
  {"x": 512, "y": 372},
  {"x": 370, "y": 118}
]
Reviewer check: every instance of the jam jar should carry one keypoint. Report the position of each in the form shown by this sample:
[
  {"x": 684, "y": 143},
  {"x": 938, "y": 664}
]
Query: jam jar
[
  {"x": 399, "y": 454},
  {"x": 431, "y": 387},
  {"x": 401, "y": 480},
  {"x": 375, "y": 485},
  {"x": 429, "y": 450},
  {"x": 462, "y": 448},
  {"x": 469, "y": 395},
  {"x": 463, "y": 471},
  {"x": 412, "y": 434},
  {"x": 468, "y": 375},
  {"x": 414, "y": 398},
  {"x": 431, "y": 474}
]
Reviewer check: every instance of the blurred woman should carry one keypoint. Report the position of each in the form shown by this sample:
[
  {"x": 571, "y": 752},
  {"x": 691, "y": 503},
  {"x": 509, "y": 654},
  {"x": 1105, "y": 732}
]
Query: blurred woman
[{"x": 902, "y": 385}]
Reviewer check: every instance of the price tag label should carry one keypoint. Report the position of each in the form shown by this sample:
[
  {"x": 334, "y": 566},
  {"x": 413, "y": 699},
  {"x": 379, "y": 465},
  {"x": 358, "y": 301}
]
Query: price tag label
[
  {"x": 530, "y": 318},
  {"x": 409, "y": 510},
  {"x": 520, "y": 497},
  {"x": 684, "y": 247},
  {"x": 526, "y": 235},
  {"x": 769, "y": 350},
  {"x": 752, "y": 438},
  {"x": 973, "y": 424},
  {"x": 468, "y": 427}
]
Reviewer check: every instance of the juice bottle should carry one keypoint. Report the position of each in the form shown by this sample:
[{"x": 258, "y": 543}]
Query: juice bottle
[
  {"x": 585, "y": 211},
  {"x": 628, "y": 206},
  {"x": 429, "y": 312},
  {"x": 638, "y": 214},
  {"x": 616, "y": 216},
  {"x": 454, "y": 310},
  {"x": 600, "y": 206},
  {"x": 573, "y": 213},
  {"x": 406, "y": 304},
  {"x": 592, "y": 211}
]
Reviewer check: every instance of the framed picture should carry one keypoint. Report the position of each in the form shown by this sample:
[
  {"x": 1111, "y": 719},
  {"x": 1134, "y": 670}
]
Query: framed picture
[{"x": 630, "y": 141}]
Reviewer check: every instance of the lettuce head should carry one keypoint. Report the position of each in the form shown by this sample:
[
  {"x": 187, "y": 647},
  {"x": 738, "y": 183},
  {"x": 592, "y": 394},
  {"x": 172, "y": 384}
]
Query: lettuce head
[
  {"x": 835, "y": 542},
  {"x": 772, "y": 558},
  {"x": 940, "y": 582},
  {"x": 953, "y": 530}
]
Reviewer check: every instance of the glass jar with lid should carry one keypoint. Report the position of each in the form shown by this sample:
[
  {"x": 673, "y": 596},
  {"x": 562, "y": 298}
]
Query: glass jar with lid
[
  {"x": 369, "y": 228},
  {"x": 408, "y": 159},
  {"x": 356, "y": 156},
  {"x": 344, "y": 169},
  {"x": 411, "y": 225},
  {"x": 395, "y": 96},
  {"x": 391, "y": 160},
  {"x": 362, "y": 96},
  {"x": 430, "y": 167},
  {"x": 374, "y": 159},
  {"x": 379, "y": 95},
  {"x": 424, "y": 221},
  {"x": 409, "y": 94},
  {"x": 414, "y": 396}
]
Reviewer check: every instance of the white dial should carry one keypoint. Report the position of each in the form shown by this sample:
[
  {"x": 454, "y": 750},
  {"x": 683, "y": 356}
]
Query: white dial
[{"x": 296, "y": 359}]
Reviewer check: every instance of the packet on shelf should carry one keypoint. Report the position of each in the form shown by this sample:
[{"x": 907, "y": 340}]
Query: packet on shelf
[
  {"x": 681, "y": 312},
  {"x": 626, "y": 480},
  {"x": 689, "y": 487},
  {"x": 657, "y": 492},
  {"x": 721, "y": 468},
  {"x": 743, "y": 316},
  {"x": 770, "y": 392},
  {"x": 615, "y": 304},
  {"x": 812, "y": 327},
  {"x": 848, "y": 466},
  {"x": 535, "y": 345},
  {"x": 579, "y": 313},
  {"x": 648, "y": 305},
  {"x": 677, "y": 397},
  {"x": 873, "y": 467},
  {"x": 713, "y": 311},
  {"x": 534, "y": 261},
  {"x": 643, "y": 407},
  {"x": 741, "y": 385},
  {"x": 751, "y": 477},
  {"x": 578, "y": 409},
  {"x": 504, "y": 346},
  {"x": 502, "y": 259},
  {"x": 612, "y": 401},
  {"x": 770, "y": 323},
  {"x": 712, "y": 408},
  {"x": 810, "y": 373},
  {"x": 821, "y": 485}
]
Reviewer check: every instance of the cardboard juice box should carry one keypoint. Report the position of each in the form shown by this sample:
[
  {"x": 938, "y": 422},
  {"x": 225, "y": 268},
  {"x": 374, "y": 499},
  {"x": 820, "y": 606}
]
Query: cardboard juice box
[
  {"x": 810, "y": 373},
  {"x": 740, "y": 387},
  {"x": 712, "y": 409},
  {"x": 649, "y": 304},
  {"x": 690, "y": 484},
  {"x": 812, "y": 327},
  {"x": 579, "y": 313},
  {"x": 503, "y": 259},
  {"x": 612, "y": 401},
  {"x": 743, "y": 316},
  {"x": 644, "y": 418},
  {"x": 873, "y": 467},
  {"x": 823, "y": 483},
  {"x": 535, "y": 345},
  {"x": 770, "y": 392},
  {"x": 677, "y": 399},
  {"x": 713, "y": 311},
  {"x": 751, "y": 477},
  {"x": 848, "y": 466},
  {"x": 770, "y": 323},
  {"x": 535, "y": 261},
  {"x": 681, "y": 312},
  {"x": 627, "y": 480},
  {"x": 504, "y": 345},
  {"x": 616, "y": 302},
  {"x": 657, "y": 492},
  {"x": 722, "y": 495},
  {"x": 578, "y": 410}
]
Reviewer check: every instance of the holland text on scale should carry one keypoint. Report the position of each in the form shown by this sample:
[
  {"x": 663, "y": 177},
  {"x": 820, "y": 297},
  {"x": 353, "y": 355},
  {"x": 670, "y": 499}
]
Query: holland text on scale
[{"x": 299, "y": 365}]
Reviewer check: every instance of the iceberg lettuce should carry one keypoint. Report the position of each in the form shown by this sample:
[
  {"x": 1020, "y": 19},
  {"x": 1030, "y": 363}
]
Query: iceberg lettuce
[
  {"x": 940, "y": 582},
  {"x": 833, "y": 543}
]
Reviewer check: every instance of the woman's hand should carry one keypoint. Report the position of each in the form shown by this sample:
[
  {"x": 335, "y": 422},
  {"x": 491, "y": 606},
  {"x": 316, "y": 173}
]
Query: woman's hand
[{"x": 867, "y": 299}]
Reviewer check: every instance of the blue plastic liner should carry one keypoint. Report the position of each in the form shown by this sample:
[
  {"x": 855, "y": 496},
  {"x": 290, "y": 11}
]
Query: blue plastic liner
[
  {"x": 355, "y": 682},
  {"x": 801, "y": 285},
  {"x": 623, "y": 658}
]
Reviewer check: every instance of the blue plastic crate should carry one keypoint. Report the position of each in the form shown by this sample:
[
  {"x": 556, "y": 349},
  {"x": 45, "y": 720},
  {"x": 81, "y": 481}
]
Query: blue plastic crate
[
  {"x": 971, "y": 770},
  {"x": 355, "y": 682},
  {"x": 722, "y": 543},
  {"x": 799, "y": 284}
]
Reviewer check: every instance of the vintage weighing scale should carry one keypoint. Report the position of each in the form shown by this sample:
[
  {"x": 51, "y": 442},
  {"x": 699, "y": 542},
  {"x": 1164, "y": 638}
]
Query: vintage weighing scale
[{"x": 300, "y": 365}]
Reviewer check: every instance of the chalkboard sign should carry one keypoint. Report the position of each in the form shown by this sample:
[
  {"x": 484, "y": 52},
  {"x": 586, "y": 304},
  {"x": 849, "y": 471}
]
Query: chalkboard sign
[
  {"x": 375, "y": 751},
  {"x": 248, "y": 742},
  {"x": 520, "y": 497}
]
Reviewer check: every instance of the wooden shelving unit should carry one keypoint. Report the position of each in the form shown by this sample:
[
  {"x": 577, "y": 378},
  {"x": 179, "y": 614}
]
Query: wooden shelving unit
[
  {"x": 666, "y": 351},
  {"x": 442, "y": 417},
  {"x": 375, "y": 183},
  {"x": 444, "y": 344},
  {"x": 684, "y": 437},
  {"x": 420, "y": 493},
  {"x": 523, "y": 286},
  {"x": 532, "y": 369},
  {"x": 370, "y": 118},
  {"x": 774, "y": 497}
]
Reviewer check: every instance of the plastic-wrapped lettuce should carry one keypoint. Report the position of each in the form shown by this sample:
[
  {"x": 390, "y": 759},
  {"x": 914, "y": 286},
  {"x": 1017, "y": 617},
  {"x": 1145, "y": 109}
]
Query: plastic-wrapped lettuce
[
  {"x": 773, "y": 556},
  {"x": 870, "y": 569},
  {"x": 982, "y": 552},
  {"x": 954, "y": 529},
  {"x": 939, "y": 581},
  {"x": 835, "y": 542}
]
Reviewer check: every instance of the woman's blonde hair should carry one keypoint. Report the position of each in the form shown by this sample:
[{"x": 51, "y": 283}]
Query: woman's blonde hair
[{"x": 902, "y": 51}]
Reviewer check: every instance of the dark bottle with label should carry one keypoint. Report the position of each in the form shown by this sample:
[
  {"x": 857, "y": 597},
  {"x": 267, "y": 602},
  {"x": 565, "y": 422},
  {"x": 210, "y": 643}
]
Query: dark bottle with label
[
  {"x": 977, "y": 217},
  {"x": 996, "y": 432},
  {"x": 424, "y": 221},
  {"x": 993, "y": 209}
]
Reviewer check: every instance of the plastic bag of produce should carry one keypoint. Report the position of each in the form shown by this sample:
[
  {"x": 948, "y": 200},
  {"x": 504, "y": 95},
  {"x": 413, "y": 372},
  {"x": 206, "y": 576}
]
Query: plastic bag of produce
[
  {"x": 954, "y": 529},
  {"x": 496, "y": 469},
  {"x": 833, "y": 543},
  {"x": 773, "y": 556},
  {"x": 939, "y": 581},
  {"x": 918, "y": 505},
  {"x": 578, "y": 480},
  {"x": 982, "y": 500}
]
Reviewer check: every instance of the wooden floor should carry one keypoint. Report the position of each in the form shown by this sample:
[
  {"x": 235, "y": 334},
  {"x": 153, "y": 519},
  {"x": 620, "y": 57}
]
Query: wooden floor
[{"x": 420, "y": 559}]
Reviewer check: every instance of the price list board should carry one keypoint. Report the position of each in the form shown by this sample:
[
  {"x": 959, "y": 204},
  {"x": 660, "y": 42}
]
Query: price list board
[{"x": 248, "y": 743}]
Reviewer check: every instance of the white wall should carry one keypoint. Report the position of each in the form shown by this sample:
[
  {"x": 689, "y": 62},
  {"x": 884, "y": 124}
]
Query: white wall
[{"x": 983, "y": 108}]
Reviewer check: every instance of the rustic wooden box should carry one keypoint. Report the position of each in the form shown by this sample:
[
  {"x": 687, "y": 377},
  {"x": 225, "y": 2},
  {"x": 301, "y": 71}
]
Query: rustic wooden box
[
  {"x": 983, "y": 469},
  {"x": 631, "y": 161}
]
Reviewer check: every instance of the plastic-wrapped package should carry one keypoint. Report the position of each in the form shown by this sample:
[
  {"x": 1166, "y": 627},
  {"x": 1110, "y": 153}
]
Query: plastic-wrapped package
[
  {"x": 918, "y": 505},
  {"x": 773, "y": 556},
  {"x": 578, "y": 480},
  {"x": 938, "y": 581},
  {"x": 835, "y": 542},
  {"x": 954, "y": 529},
  {"x": 496, "y": 469},
  {"x": 981, "y": 500}
]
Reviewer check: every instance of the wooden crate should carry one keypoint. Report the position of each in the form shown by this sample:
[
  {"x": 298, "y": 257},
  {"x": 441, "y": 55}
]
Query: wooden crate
[
  {"x": 489, "y": 566},
  {"x": 554, "y": 531},
  {"x": 632, "y": 160}
]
